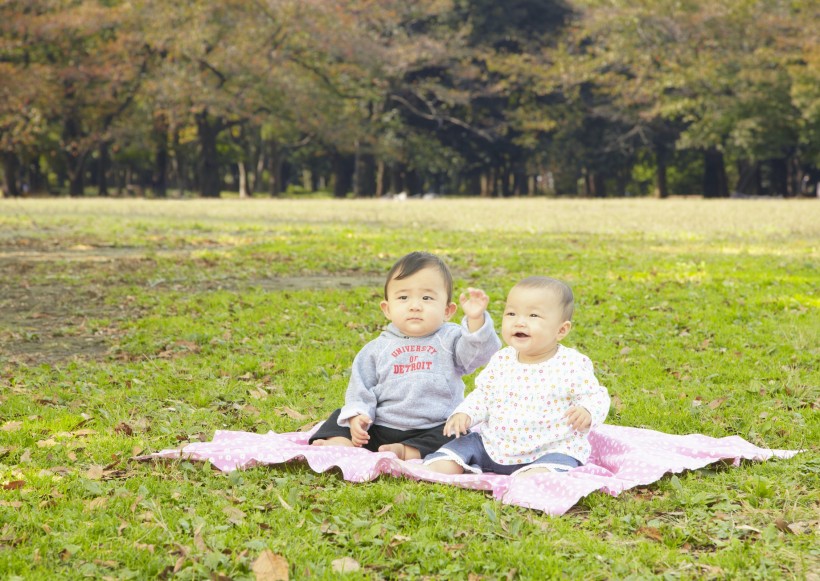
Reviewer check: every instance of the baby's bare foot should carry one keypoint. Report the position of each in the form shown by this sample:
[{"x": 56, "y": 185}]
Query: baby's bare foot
[
  {"x": 397, "y": 449},
  {"x": 335, "y": 441},
  {"x": 444, "y": 467},
  {"x": 402, "y": 451},
  {"x": 533, "y": 472}
]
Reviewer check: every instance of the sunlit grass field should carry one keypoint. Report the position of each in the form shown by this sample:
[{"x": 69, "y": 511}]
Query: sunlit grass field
[{"x": 131, "y": 326}]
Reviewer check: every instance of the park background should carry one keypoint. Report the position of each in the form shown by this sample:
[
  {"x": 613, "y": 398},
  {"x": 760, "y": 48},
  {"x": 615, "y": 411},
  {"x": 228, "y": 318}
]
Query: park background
[
  {"x": 202, "y": 200},
  {"x": 370, "y": 98}
]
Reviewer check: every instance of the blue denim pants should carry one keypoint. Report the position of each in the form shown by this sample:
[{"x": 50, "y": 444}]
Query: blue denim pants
[{"x": 469, "y": 452}]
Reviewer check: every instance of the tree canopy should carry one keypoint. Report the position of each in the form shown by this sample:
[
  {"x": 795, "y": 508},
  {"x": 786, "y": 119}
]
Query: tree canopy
[{"x": 365, "y": 97}]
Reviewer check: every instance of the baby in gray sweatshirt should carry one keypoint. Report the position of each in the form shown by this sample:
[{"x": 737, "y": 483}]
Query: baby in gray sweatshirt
[{"x": 405, "y": 383}]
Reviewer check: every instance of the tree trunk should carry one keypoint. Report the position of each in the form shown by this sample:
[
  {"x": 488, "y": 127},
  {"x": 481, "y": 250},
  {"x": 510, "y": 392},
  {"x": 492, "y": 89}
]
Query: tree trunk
[
  {"x": 488, "y": 183},
  {"x": 343, "y": 167},
  {"x": 780, "y": 177},
  {"x": 380, "y": 175},
  {"x": 521, "y": 182},
  {"x": 243, "y": 179},
  {"x": 208, "y": 130},
  {"x": 396, "y": 184},
  {"x": 366, "y": 185},
  {"x": 506, "y": 181},
  {"x": 599, "y": 185},
  {"x": 178, "y": 163},
  {"x": 714, "y": 175},
  {"x": 661, "y": 183},
  {"x": 159, "y": 181},
  {"x": 103, "y": 166},
  {"x": 275, "y": 158},
  {"x": 413, "y": 183},
  {"x": 74, "y": 157},
  {"x": 11, "y": 166}
]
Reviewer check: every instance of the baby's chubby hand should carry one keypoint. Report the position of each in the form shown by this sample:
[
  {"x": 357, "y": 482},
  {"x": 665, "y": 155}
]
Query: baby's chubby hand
[
  {"x": 474, "y": 303},
  {"x": 358, "y": 429},
  {"x": 456, "y": 425},
  {"x": 579, "y": 418}
]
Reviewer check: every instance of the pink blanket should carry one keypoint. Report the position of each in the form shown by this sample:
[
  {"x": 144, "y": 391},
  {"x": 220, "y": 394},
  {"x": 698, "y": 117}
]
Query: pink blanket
[{"x": 621, "y": 459}]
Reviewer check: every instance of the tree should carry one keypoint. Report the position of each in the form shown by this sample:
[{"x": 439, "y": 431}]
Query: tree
[
  {"x": 709, "y": 72},
  {"x": 87, "y": 63}
]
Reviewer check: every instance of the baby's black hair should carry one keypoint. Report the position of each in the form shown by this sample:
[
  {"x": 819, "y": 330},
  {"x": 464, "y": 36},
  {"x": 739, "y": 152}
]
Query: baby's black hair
[{"x": 410, "y": 264}]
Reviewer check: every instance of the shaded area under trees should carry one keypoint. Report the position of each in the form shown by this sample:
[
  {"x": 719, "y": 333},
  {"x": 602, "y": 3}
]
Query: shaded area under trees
[{"x": 471, "y": 97}]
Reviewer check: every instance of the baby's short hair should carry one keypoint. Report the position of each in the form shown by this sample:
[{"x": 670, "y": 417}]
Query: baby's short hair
[
  {"x": 410, "y": 264},
  {"x": 560, "y": 288}
]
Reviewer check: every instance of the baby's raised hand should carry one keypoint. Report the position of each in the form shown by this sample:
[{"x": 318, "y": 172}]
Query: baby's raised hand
[
  {"x": 474, "y": 303},
  {"x": 579, "y": 418},
  {"x": 358, "y": 430},
  {"x": 456, "y": 425}
]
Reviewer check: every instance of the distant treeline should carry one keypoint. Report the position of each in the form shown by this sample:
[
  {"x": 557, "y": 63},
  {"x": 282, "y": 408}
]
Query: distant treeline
[{"x": 371, "y": 98}]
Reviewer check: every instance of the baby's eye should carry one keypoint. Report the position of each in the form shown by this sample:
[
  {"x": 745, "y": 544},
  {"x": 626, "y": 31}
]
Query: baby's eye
[
  {"x": 534, "y": 315},
  {"x": 402, "y": 298},
  {"x": 427, "y": 298},
  {"x": 509, "y": 314}
]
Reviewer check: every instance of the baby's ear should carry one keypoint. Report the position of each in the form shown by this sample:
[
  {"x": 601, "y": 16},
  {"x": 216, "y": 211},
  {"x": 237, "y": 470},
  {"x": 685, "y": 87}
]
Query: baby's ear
[
  {"x": 450, "y": 311},
  {"x": 564, "y": 329}
]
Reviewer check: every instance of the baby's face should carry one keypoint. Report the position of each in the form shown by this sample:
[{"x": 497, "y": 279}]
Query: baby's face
[
  {"x": 533, "y": 323},
  {"x": 418, "y": 304}
]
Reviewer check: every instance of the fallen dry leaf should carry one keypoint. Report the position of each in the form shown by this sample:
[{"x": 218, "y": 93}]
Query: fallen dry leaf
[
  {"x": 384, "y": 510},
  {"x": 11, "y": 426},
  {"x": 14, "y": 485},
  {"x": 271, "y": 567},
  {"x": 345, "y": 565},
  {"x": 804, "y": 528},
  {"x": 84, "y": 432},
  {"x": 94, "y": 504},
  {"x": 308, "y": 427},
  {"x": 258, "y": 393},
  {"x": 234, "y": 515},
  {"x": 284, "y": 504},
  {"x": 714, "y": 404},
  {"x": 651, "y": 532},
  {"x": 123, "y": 428},
  {"x": 292, "y": 413},
  {"x": 783, "y": 526},
  {"x": 95, "y": 473},
  {"x": 199, "y": 541}
]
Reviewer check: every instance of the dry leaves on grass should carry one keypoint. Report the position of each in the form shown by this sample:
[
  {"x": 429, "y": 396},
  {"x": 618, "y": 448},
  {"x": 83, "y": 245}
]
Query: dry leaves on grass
[
  {"x": 345, "y": 565},
  {"x": 291, "y": 413},
  {"x": 271, "y": 567}
]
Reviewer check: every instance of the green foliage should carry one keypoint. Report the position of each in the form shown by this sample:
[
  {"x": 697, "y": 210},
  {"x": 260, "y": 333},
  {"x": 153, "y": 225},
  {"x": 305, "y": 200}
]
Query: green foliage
[{"x": 149, "y": 325}]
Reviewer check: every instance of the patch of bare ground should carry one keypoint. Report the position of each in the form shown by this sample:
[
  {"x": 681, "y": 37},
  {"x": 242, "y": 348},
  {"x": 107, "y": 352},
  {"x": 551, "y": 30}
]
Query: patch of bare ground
[{"x": 49, "y": 321}]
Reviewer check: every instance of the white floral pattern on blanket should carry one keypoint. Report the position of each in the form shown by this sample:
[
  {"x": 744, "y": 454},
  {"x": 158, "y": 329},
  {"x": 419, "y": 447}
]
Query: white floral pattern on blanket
[{"x": 622, "y": 458}]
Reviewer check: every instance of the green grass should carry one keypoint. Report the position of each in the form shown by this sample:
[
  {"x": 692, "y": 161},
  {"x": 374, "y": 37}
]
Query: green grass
[{"x": 130, "y": 326}]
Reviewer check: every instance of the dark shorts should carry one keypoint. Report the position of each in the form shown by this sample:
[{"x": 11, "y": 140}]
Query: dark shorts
[
  {"x": 469, "y": 452},
  {"x": 425, "y": 441}
]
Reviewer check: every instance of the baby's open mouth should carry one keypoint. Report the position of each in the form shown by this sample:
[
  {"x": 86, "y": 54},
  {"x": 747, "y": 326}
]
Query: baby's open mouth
[{"x": 521, "y": 335}]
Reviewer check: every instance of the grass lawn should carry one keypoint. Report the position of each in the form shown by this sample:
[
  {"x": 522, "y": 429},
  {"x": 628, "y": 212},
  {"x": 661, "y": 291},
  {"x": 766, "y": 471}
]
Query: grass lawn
[{"x": 130, "y": 326}]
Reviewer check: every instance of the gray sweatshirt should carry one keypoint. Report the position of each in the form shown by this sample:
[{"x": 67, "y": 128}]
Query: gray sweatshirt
[{"x": 410, "y": 383}]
